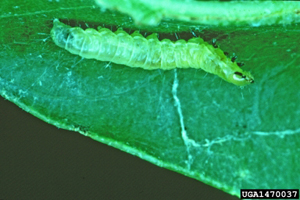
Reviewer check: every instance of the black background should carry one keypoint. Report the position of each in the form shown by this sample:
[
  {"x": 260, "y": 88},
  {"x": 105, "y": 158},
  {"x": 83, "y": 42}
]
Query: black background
[{"x": 40, "y": 161}]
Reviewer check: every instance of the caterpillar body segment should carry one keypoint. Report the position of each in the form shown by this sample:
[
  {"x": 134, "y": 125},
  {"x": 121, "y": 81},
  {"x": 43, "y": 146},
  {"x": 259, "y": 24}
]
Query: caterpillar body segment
[{"x": 148, "y": 53}]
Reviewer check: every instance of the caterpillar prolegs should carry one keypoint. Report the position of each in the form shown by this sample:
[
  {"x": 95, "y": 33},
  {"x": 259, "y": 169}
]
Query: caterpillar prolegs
[{"x": 148, "y": 53}]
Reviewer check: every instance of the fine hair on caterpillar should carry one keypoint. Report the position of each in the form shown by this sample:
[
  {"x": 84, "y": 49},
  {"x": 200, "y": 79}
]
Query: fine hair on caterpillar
[{"x": 148, "y": 53}]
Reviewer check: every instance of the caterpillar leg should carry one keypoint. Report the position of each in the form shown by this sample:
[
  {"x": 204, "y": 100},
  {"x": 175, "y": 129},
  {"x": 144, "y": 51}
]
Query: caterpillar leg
[
  {"x": 120, "y": 31},
  {"x": 136, "y": 34},
  {"x": 153, "y": 36},
  {"x": 240, "y": 64},
  {"x": 196, "y": 40},
  {"x": 233, "y": 58},
  {"x": 214, "y": 43}
]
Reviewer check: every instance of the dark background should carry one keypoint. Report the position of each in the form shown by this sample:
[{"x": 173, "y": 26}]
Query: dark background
[{"x": 40, "y": 161}]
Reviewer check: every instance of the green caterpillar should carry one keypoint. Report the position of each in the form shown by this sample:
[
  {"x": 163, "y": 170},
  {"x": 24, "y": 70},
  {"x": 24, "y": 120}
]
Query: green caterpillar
[{"x": 148, "y": 53}]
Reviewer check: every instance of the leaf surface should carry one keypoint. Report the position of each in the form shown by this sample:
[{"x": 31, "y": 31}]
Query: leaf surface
[{"x": 205, "y": 128}]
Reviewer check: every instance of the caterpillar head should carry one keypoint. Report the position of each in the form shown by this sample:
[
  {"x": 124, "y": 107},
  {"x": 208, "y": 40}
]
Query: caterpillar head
[{"x": 241, "y": 78}]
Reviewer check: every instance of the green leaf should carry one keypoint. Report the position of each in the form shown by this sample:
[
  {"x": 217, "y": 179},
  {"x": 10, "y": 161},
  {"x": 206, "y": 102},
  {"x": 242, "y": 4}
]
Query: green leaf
[
  {"x": 205, "y": 128},
  {"x": 208, "y": 12}
]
